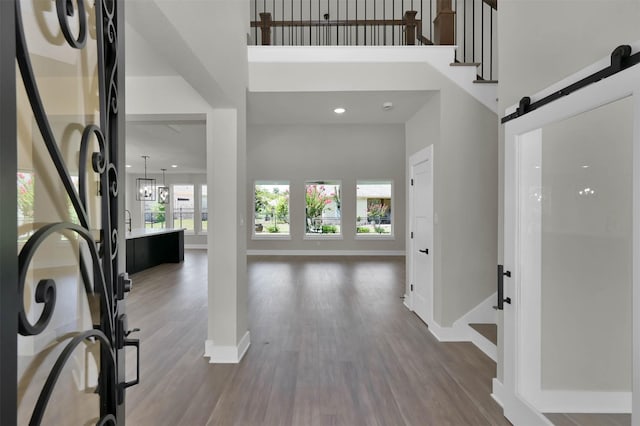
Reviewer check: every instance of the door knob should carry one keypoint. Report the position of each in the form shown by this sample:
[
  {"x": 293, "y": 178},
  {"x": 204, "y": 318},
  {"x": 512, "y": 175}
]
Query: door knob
[{"x": 425, "y": 251}]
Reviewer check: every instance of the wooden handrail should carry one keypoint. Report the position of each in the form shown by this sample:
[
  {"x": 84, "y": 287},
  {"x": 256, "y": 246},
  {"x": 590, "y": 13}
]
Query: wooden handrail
[
  {"x": 492, "y": 3},
  {"x": 340, "y": 23}
]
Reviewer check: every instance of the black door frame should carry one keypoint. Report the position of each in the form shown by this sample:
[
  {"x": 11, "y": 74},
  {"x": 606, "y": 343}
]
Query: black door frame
[
  {"x": 8, "y": 217},
  {"x": 113, "y": 330}
]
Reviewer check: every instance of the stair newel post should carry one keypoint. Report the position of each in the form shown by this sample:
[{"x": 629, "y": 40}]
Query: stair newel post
[
  {"x": 410, "y": 27},
  {"x": 265, "y": 27},
  {"x": 444, "y": 24}
]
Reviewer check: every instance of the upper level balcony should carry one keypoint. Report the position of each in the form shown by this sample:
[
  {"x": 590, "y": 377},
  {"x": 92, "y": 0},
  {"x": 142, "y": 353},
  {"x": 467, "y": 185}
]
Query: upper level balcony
[{"x": 470, "y": 25}]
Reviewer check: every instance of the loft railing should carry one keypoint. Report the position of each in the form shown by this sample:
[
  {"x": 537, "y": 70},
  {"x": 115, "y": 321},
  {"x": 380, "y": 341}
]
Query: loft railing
[
  {"x": 342, "y": 22},
  {"x": 476, "y": 35},
  {"x": 468, "y": 23}
]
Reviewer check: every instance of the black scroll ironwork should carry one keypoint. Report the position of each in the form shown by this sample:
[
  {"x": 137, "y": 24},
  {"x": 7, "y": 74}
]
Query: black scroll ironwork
[{"x": 107, "y": 279}]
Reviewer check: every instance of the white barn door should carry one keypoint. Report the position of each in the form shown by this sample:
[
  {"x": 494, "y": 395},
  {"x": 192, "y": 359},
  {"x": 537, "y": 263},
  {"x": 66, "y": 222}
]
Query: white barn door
[{"x": 572, "y": 246}]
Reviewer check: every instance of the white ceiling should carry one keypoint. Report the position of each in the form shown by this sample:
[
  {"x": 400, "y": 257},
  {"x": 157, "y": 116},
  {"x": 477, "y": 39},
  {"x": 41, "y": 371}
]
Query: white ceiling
[
  {"x": 170, "y": 141},
  {"x": 166, "y": 142},
  {"x": 317, "y": 107},
  {"x": 184, "y": 142}
]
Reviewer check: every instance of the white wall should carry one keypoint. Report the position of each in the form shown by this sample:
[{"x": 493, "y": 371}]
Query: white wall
[
  {"x": 347, "y": 153},
  {"x": 211, "y": 56},
  {"x": 464, "y": 136}
]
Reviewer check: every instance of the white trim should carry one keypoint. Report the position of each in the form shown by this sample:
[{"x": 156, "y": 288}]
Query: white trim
[
  {"x": 195, "y": 246},
  {"x": 407, "y": 302},
  {"x": 552, "y": 401},
  {"x": 335, "y": 236},
  {"x": 460, "y": 331},
  {"x": 484, "y": 344},
  {"x": 325, "y": 252},
  {"x": 227, "y": 354},
  {"x": 497, "y": 391},
  {"x": 271, "y": 237},
  {"x": 374, "y": 236},
  {"x": 366, "y": 54}
]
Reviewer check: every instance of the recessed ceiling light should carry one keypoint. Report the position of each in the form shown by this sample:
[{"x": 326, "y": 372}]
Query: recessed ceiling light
[
  {"x": 339, "y": 110},
  {"x": 174, "y": 165},
  {"x": 387, "y": 106},
  {"x": 585, "y": 166},
  {"x": 128, "y": 166}
]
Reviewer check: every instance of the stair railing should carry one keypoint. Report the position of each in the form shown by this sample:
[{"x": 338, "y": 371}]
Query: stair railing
[
  {"x": 476, "y": 35},
  {"x": 342, "y": 22},
  {"x": 467, "y": 23}
]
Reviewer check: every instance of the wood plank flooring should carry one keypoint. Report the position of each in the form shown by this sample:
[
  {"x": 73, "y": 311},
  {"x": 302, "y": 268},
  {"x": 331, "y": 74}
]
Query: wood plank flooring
[
  {"x": 489, "y": 331},
  {"x": 331, "y": 344}
]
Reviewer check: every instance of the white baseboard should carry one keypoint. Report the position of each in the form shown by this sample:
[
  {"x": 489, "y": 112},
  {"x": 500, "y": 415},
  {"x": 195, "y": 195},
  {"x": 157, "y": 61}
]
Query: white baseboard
[
  {"x": 195, "y": 246},
  {"x": 456, "y": 333},
  {"x": 483, "y": 313},
  {"x": 219, "y": 354},
  {"x": 460, "y": 331},
  {"x": 552, "y": 401},
  {"x": 483, "y": 344},
  {"x": 497, "y": 392},
  {"x": 406, "y": 301},
  {"x": 325, "y": 252}
]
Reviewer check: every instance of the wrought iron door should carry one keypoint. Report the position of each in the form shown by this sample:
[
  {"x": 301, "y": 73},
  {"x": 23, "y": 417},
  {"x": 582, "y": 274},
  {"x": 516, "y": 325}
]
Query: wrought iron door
[{"x": 62, "y": 290}]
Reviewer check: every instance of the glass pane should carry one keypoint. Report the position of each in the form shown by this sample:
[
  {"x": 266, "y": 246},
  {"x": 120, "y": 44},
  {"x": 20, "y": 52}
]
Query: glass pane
[
  {"x": 203, "y": 207},
  {"x": 154, "y": 214},
  {"x": 576, "y": 228},
  {"x": 323, "y": 208},
  {"x": 271, "y": 216},
  {"x": 67, "y": 81},
  {"x": 183, "y": 207},
  {"x": 373, "y": 208}
]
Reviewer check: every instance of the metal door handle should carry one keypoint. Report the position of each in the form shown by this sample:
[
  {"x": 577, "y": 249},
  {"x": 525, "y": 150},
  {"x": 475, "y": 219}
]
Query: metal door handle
[
  {"x": 425, "y": 251},
  {"x": 501, "y": 299}
]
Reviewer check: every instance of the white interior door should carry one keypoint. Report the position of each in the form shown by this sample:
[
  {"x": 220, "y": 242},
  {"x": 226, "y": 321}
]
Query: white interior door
[
  {"x": 422, "y": 242},
  {"x": 572, "y": 210}
]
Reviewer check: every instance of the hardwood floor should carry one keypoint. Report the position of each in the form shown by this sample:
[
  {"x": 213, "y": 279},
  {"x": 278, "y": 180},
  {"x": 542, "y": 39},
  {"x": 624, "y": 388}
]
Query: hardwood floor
[
  {"x": 489, "y": 331},
  {"x": 332, "y": 344}
]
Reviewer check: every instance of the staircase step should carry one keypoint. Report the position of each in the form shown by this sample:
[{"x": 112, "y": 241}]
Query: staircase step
[
  {"x": 465, "y": 64},
  {"x": 489, "y": 331},
  {"x": 485, "y": 81}
]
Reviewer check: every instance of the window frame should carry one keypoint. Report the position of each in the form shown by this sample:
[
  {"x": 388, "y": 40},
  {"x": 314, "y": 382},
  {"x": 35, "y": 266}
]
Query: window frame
[
  {"x": 321, "y": 236},
  {"x": 268, "y": 236},
  {"x": 375, "y": 235},
  {"x": 201, "y": 230},
  {"x": 173, "y": 209}
]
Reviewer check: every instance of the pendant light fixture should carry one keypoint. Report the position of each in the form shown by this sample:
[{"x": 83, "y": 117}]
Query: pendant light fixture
[
  {"x": 146, "y": 186},
  {"x": 163, "y": 191}
]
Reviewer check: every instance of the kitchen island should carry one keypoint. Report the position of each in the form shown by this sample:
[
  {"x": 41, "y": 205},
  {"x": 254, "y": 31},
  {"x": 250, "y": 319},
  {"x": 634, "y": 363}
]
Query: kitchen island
[{"x": 151, "y": 247}]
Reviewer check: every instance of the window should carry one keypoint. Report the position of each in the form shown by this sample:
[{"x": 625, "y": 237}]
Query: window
[
  {"x": 204, "y": 213},
  {"x": 323, "y": 208},
  {"x": 271, "y": 209},
  {"x": 154, "y": 214},
  {"x": 373, "y": 208},
  {"x": 26, "y": 198},
  {"x": 183, "y": 210}
]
